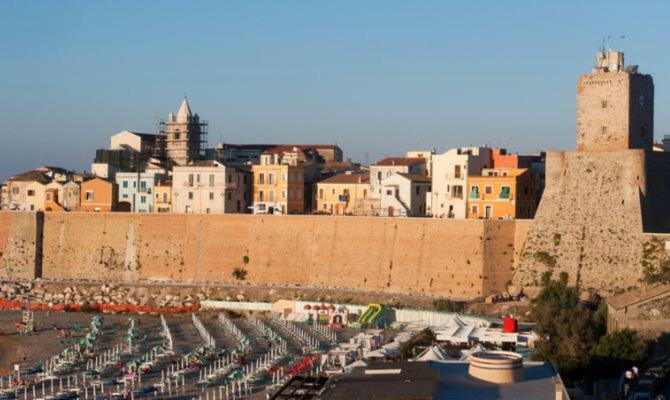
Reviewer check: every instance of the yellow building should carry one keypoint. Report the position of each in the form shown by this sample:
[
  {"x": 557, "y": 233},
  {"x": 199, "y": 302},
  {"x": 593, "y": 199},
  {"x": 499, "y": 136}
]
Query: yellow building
[
  {"x": 342, "y": 194},
  {"x": 163, "y": 197},
  {"x": 278, "y": 187},
  {"x": 501, "y": 194}
]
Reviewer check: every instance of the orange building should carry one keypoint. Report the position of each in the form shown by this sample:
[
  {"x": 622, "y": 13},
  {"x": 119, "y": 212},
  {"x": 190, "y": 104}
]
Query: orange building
[
  {"x": 99, "y": 195},
  {"x": 501, "y": 194},
  {"x": 278, "y": 186}
]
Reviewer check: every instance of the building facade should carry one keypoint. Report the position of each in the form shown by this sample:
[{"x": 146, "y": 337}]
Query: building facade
[
  {"x": 136, "y": 191},
  {"x": 450, "y": 173},
  {"x": 392, "y": 165},
  {"x": 209, "y": 187},
  {"x": 98, "y": 195},
  {"x": 71, "y": 196},
  {"x": 278, "y": 185},
  {"x": 342, "y": 194},
  {"x": 615, "y": 106},
  {"x": 163, "y": 197},
  {"x": 404, "y": 195},
  {"x": 502, "y": 194}
]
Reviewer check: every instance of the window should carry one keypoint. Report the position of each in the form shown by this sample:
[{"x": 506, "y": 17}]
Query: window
[
  {"x": 332, "y": 190},
  {"x": 603, "y": 103},
  {"x": 211, "y": 195},
  {"x": 475, "y": 209},
  {"x": 389, "y": 192},
  {"x": 31, "y": 192},
  {"x": 379, "y": 175},
  {"x": 261, "y": 178},
  {"x": 321, "y": 194},
  {"x": 474, "y": 192},
  {"x": 487, "y": 189},
  {"x": 418, "y": 190},
  {"x": 365, "y": 193},
  {"x": 230, "y": 196},
  {"x": 15, "y": 190},
  {"x": 457, "y": 191},
  {"x": 283, "y": 194},
  {"x": 211, "y": 180},
  {"x": 207, "y": 210},
  {"x": 260, "y": 195},
  {"x": 125, "y": 184},
  {"x": 143, "y": 184},
  {"x": 134, "y": 184},
  {"x": 457, "y": 171},
  {"x": 230, "y": 178},
  {"x": 603, "y": 129},
  {"x": 641, "y": 100},
  {"x": 190, "y": 179},
  {"x": 177, "y": 135},
  {"x": 89, "y": 195},
  {"x": 197, "y": 178},
  {"x": 165, "y": 198},
  {"x": 190, "y": 195},
  {"x": 345, "y": 192},
  {"x": 271, "y": 178},
  {"x": 284, "y": 177},
  {"x": 125, "y": 196},
  {"x": 143, "y": 199},
  {"x": 504, "y": 192},
  {"x": 271, "y": 196}
]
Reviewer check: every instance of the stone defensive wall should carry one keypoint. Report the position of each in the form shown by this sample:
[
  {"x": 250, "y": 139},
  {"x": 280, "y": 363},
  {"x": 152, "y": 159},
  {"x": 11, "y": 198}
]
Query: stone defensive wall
[
  {"x": 603, "y": 219},
  {"x": 457, "y": 259}
]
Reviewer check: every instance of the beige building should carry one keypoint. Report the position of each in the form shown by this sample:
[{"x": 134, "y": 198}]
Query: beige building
[
  {"x": 391, "y": 165},
  {"x": 343, "y": 194},
  {"x": 26, "y": 191},
  {"x": 404, "y": 195},
  {"x": 209, "y": 187},
  {"x": 185, "y": 136},
  {"x": 426, "y": 155},
  {"x": 450, "y": 171},
  {"x": 163, "y": 197},
  {"x": 615, "y": 106},
  {"x": 278, "y": 184},
  {"x": 70, "y": 196}
]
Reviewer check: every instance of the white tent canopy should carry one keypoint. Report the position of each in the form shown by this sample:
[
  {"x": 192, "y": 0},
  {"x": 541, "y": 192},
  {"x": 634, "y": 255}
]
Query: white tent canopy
[{"x": 433, "y": 353}]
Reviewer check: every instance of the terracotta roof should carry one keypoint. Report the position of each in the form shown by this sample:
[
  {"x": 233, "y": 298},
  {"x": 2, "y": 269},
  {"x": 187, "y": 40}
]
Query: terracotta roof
[
  {"x": 637, "y": 296},
  {"x": 399, "y": 161},
  {"x": 348, "y": 178},
  {"x": 31, "y": 176},
  {"x": 415, "y": 177}
]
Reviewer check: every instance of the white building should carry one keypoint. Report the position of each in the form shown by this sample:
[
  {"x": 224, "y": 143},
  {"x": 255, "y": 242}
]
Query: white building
[
  {"x": 136, "y": 190},
  {"x": 404, "y": 195},
  {"x": 392, "y": 165},
  {"x": 209, "y": 187},
  {"x": 450, "y": 172}
]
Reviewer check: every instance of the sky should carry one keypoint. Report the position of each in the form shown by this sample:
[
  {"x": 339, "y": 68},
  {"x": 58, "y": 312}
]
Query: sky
[{"x": 376, "y": 77}]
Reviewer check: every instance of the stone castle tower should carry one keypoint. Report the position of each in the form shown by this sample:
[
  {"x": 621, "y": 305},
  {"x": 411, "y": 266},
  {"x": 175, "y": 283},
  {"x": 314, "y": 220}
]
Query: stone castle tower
[
  {"x": 185, "y": 136},
  {"x": 608, "y": 203},
  {"x": 615, "y": 106}
]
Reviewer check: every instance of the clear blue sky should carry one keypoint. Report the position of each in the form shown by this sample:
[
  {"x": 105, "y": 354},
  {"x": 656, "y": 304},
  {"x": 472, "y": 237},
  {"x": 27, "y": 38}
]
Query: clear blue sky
[{"x": 377, "y": 77}]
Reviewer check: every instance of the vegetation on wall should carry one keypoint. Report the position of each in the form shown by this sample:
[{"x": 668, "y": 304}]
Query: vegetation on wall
[
  {"x": 655, "y": 261},
  {"x": 446, "y": 305},
  {"x": 545, "y": 258},
  {"x": 240, "y": 274}
]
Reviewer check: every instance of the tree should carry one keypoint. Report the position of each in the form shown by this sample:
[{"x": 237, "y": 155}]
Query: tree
[
  {"x": 624, "y": 345},
  {"x": 566, "y": 327}
]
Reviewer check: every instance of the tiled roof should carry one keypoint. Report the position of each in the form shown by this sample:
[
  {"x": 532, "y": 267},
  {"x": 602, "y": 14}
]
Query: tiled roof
[
  {"x": 637, "y": 296},
  {"x": 348, "y": 178},
  {"x": 31, "y": 176},
  {"x": 399, "y": 161}
]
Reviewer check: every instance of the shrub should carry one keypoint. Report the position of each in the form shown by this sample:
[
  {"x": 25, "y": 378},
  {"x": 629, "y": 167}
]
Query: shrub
[
  {"x": 240, "y": 274},
  {"x": 448, "y": 305},
  {"x": 624, "y": 345}
]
